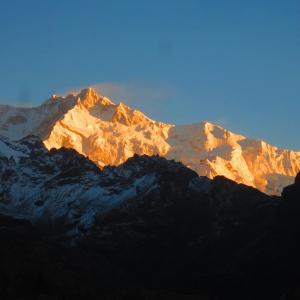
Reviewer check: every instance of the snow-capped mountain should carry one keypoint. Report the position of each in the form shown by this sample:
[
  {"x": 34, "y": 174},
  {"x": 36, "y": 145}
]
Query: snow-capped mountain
[{"x": 109, "y": 133}]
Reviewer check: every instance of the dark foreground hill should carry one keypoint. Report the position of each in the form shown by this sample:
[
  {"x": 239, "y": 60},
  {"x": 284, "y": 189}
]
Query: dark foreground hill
[{"x": 148, "y": 229}]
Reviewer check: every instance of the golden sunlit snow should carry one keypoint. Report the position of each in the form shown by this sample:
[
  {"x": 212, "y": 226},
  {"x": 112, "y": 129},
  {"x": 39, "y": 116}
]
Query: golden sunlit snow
[{"x": 110, "y": 133}]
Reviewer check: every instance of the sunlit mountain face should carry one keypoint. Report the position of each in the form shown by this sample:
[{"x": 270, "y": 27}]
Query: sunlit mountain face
[{"x": 109, "y": 134}]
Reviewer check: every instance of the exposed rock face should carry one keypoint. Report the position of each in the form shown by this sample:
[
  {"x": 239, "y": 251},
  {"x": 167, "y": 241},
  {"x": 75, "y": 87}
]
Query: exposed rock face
[{"x": 109, "y": 134}]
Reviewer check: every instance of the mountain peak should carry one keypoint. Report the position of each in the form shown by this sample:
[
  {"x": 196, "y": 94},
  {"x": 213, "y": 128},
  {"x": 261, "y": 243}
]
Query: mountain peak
[
  {"x": 89, "y": 97},
  {"x": 88, "y": 93}
]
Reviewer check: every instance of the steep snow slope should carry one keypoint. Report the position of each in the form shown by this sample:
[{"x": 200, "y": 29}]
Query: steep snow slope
[{"x": 109, "y": 133}]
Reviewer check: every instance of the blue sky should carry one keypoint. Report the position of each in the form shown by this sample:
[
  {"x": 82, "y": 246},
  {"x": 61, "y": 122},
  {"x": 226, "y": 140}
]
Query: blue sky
[{"x": 236, "y": 63}]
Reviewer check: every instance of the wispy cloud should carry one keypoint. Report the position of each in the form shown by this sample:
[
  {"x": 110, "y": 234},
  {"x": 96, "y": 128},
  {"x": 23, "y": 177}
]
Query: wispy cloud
[
  {"x": 150, "y": 98},
  {"x": 222, "y": 121},
  {"x": 134, "y": 92}
]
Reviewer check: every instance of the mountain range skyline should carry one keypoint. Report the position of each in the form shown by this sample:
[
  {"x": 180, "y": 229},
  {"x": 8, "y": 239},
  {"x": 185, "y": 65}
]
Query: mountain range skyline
[
  {"x": 109, "y": 133},
  {"x": 230, "y": 62},
  {"x": 121, "y": 92}
]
